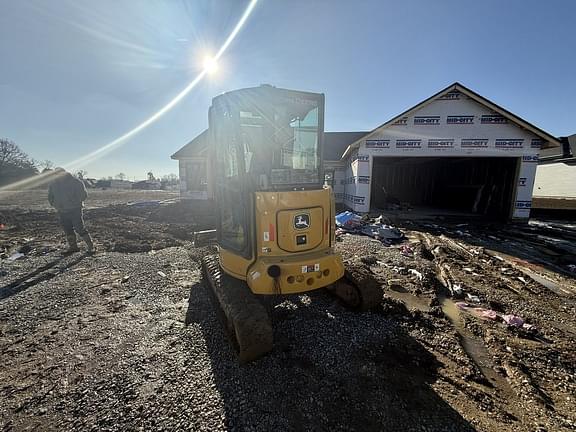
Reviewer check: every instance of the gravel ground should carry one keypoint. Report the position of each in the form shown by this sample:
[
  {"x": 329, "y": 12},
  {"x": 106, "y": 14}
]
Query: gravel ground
[
  {"x": 131, "y": 340},
  {"x": 84, "y": 350}
]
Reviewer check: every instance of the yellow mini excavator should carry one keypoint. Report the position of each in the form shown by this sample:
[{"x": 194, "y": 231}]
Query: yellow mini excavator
[{"x": 275, "y": 216}]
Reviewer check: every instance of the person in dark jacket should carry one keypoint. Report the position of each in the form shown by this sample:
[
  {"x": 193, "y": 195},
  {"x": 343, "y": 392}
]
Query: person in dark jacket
[{"x": 67, "y": 194}]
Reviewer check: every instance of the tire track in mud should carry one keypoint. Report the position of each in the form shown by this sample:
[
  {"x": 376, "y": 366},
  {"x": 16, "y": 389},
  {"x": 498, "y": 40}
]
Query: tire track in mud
[{"x": 504, "y": 375}]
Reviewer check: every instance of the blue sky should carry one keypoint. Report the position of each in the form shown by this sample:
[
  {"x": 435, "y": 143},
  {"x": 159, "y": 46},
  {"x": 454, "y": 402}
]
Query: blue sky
[{"x": 76, "y": 74}]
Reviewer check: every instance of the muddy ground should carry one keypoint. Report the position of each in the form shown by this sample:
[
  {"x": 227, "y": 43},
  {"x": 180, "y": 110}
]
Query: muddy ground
[
  {"x": 35, "y": 199},
  {"x": 120, "y": 221},
  {"x": 128, "y": 339}
]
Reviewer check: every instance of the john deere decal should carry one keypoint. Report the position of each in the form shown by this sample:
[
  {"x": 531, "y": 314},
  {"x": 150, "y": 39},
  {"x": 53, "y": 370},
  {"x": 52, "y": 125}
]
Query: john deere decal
[{"x": 302, "y": 221}]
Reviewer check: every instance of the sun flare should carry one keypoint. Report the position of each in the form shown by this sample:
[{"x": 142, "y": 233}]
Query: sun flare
[{"x": 210, "y": 65}]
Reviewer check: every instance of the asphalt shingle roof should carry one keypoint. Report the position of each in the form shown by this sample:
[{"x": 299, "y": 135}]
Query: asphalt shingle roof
[
  {"x": 194, "y": 148},
  {"x": 335, "y": 143}
]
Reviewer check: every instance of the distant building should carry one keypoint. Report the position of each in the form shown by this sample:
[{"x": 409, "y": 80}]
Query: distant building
[
  {"x": 555, "y": 185},
  {"x": 194, "y": 169},
  {"x": 120, "y": 184},
  {"x": 147, "y": 185}
]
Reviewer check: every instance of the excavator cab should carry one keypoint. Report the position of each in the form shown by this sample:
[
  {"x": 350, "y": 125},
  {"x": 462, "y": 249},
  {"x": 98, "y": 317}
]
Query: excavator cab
[{"x": 275, "y": 216}]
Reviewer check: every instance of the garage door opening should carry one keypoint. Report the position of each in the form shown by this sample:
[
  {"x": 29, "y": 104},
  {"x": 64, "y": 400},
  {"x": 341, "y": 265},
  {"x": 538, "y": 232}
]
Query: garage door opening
[{"x": 481, "y": 185}]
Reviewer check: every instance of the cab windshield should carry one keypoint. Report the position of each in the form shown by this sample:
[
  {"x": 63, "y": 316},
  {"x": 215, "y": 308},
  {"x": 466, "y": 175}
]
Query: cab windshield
[{"x": 280, "y": 142}]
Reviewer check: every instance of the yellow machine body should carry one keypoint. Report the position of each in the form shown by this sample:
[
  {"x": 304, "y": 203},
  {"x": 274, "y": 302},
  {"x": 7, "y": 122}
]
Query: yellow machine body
[
  {"x": 275, "y": 218},
  {"x": 293, "y": 232}
]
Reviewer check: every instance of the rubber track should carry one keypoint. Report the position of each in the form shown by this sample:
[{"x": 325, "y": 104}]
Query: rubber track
[
  {"x": 247, "y": 320},
  {"x": 369, "y": 288}
]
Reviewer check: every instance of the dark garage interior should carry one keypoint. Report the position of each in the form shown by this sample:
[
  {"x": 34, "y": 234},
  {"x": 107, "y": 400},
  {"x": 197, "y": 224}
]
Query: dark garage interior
[{"x": 480, "y": 185}]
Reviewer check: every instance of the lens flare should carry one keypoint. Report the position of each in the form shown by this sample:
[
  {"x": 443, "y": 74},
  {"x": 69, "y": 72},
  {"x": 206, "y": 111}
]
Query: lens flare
[
  {"x": 210, "y": 65},
  {"x": 96, "y": 154}
]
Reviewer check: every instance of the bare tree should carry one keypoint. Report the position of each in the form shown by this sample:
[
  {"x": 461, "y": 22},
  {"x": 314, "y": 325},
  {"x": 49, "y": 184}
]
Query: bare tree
[
  {"x": 121, "y": 176},
  {"x": 11, "y": 155},
  {"x": 170, "y": 178},
  {"x": 151, "y": 176},
  {"x": 14, "y": 163},
  {"x": 46, "y": 165}
]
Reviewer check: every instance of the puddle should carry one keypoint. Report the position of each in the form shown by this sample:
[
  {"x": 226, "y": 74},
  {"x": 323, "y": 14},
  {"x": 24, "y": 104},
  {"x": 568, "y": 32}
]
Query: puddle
[
  {"x": 451, "y": 311},
  {"x": 398, "y": 288},
  {"x": 473, "y": 346},
  {"x": 410, "y": 300}
]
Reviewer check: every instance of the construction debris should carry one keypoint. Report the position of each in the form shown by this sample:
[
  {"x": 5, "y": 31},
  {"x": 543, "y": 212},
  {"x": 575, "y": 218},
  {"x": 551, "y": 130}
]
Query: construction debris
[
  {"x": 513, "y": 320},
  {"x": 506, "y": 313},
  {"x": 480, "y": 312},
  {"x": 349, "y": 222},
  {"x": 16, "y": 256}
]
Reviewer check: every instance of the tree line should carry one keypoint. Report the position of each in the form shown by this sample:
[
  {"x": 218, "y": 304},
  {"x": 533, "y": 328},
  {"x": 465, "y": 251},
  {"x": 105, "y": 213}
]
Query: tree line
[{"x": 16, "y": 165}]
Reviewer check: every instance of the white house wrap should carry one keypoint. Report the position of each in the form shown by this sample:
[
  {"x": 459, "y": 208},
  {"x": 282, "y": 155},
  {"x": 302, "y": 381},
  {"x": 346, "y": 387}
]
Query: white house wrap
[{"x": 456, "y": 123}]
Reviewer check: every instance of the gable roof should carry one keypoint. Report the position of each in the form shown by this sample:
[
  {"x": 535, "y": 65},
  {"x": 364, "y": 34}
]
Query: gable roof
[
  {"x": 549, "y": 140},
  {"x": 336, "y": 142},
  {"x": 195, "y": 148},
  {"x": 566, "y": 154}
]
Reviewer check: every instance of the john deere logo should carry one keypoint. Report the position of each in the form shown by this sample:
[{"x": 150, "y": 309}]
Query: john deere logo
[{"x": 302, "y": 221}]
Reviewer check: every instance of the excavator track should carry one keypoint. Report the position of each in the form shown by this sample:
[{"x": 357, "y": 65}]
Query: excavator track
[
  {"x": 246, "y": 319},
  {"x": 358, "y": 289}
]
